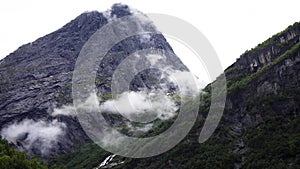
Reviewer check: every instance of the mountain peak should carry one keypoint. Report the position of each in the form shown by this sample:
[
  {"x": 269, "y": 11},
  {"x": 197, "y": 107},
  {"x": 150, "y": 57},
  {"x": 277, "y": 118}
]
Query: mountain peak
[
  {"x": 39, "y": 75},
  {"x": 120, "y": 10}
]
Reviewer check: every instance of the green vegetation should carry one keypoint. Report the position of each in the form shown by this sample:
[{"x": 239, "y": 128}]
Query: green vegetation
[
  {"x": 86, "y": 156},
  {"x": 274, "y": 145},
  {"x": 275, "y": 142},
  {"x": 231, "y": 70},
  {"x": 13, "y": 159}
]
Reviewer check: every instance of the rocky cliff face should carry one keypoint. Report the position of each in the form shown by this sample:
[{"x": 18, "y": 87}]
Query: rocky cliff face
[
  {"x": 36, "y": 81},
  {"x": 255, "y": 59},
  {"x": 264, "y": 90},
  {"x": 270, "y": 69}
]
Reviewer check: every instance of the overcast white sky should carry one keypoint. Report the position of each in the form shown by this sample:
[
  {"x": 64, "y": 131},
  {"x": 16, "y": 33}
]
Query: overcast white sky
[{"x": 232, "y": 26}]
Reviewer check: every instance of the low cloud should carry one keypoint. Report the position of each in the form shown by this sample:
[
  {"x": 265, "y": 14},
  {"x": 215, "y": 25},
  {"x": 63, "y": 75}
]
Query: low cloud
[
  {"x": 64, "y": 110},
  {"x": 153, "y": 59},
  {"x": 144, "y": 128},
  {"x": 140, "y": 106},
  {"x": 30, "y": 134},
  {"x": 90, "y": 105},
  {"x": 187, "y": 82}
]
